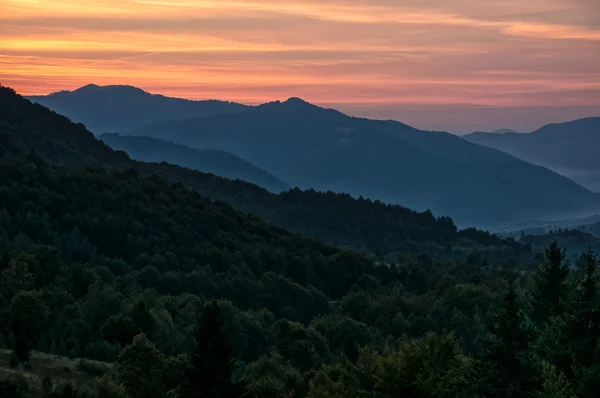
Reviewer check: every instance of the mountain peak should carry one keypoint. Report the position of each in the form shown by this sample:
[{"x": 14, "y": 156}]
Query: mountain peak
[
  {"x": 296, "y": 100},
  {"x": 292, "y": 103},
  {"x": 95, "y": 89},
  {"x": 113, "y": 88},
  {"x": 123, "y": 107},
  {"x": 88, "y": 87}
]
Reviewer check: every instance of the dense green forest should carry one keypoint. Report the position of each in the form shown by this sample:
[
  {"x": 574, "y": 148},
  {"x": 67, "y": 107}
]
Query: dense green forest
[{"x": 157, "y": 291}]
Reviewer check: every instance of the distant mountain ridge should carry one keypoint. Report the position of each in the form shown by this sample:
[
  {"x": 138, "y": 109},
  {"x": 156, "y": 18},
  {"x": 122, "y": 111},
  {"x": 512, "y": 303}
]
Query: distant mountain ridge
[
  {"x": 45, "y": 136},
  {"x": 570, "y": 148},
  {"x": 324, "y": 149},
  {"x": 117, "y": 108},
  {"x": 312, "y": 147},
  {"x": 499, "y": 131},
  {"x": 212, "y": 161}
]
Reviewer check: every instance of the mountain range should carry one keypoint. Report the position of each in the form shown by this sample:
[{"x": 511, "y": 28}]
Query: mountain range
[
  {"x": 39, "y": 135},
  {"x": 323, "y": 149},
  {"x": 212, "y": 161},
  {"x": 116, "y": 108},
  {"x": 570, "y": 149},
  {"x": 45, "y": 136}
]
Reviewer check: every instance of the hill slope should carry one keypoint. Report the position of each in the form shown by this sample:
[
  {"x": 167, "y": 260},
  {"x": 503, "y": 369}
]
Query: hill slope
[
  {"x": 118, "y": 108},
  {"x": 335, "y": 218},
  {"x": 216, "y": 162},
  {"x": 121, "y": 214},
  {"x": 324, "y": 149},
  {"x": 570, "y": 149}
]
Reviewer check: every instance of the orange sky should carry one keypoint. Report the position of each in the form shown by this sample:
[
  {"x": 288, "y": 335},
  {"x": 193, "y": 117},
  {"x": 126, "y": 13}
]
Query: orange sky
[{"x": 455, "y": 65}]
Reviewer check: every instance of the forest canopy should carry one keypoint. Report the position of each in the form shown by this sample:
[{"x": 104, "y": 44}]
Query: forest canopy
[{"x": 144, "y": 288}]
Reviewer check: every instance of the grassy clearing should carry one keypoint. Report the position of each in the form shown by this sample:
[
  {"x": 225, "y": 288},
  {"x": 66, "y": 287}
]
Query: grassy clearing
[{"x": 59, "y": 368}]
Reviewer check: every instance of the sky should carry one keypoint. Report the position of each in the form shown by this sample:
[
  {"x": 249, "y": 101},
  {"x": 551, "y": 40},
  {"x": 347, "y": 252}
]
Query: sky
[{"x": 457, "y": 66}]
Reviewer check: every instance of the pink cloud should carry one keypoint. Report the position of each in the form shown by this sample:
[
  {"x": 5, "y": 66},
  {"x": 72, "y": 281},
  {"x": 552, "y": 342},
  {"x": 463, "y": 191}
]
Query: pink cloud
[{"x": 372, "y": 57}]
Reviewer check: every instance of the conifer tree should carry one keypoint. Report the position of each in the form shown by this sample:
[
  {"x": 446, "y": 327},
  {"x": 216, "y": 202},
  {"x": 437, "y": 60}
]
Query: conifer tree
[
  {"x": 550, "y": 289},
  {"x": 210, "y": 373},
  {"x": 507, "y": 367},
  {"x": 587, "y": 323},
  {"x": 589, "y": 284}
]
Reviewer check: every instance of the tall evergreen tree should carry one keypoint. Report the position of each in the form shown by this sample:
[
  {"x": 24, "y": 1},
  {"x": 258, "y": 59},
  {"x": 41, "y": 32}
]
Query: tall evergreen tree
[
  {"x": 588, "y": 319},
  {"x": 590, "y": 276},
  {"x": 508, "y": 368},
  {"x": 210, "y": 373},
  {"x": 585, "y": 329},
  {"x": 29, "y": 315},
  {"x": 550, "y": 289},
  {"x": 551, "y": 310}
]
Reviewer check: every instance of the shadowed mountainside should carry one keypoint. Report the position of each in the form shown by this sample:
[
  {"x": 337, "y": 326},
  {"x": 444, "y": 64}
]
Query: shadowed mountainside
[{"x": 318, "y": 148}]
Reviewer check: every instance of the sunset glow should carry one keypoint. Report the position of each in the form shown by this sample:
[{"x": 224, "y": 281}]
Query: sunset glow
[{"x": 467, "y": 64}]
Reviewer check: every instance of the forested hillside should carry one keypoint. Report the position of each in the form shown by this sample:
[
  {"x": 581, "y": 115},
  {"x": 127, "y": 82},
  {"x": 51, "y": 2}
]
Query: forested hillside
[
  {"x": 156, "y": 291},
  {"x": 212, "y": 161},
  {"x": 336, "y": 218},
  {"x": 113, "y": 266}
]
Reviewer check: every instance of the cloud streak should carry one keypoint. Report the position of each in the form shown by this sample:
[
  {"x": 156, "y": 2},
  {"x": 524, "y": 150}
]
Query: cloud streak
[{"x": 372, "y": 56}]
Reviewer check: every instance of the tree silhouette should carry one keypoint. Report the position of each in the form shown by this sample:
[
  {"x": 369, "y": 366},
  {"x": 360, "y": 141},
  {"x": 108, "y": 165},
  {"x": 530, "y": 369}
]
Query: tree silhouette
[
  {"x": 507, "y": 363},
  {"x": 29, "y": 315},
  {"x": 210, "y": 374},
  {"x": 550, "y": 288},
  {"x": 140, "y": 368},
  {"x": 587, "y": 330}
]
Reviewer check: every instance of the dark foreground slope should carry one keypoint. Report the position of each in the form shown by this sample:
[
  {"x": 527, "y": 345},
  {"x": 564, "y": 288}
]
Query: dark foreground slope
[
  {"x": 212, "y": 161},
  {"x": 118, "y": 108},
  {"x": 312, "y": 147},
  {"x": 570, "y": 149},
  {"x": 335, "y": 218},
  {"x": 115, "y": 266}
]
